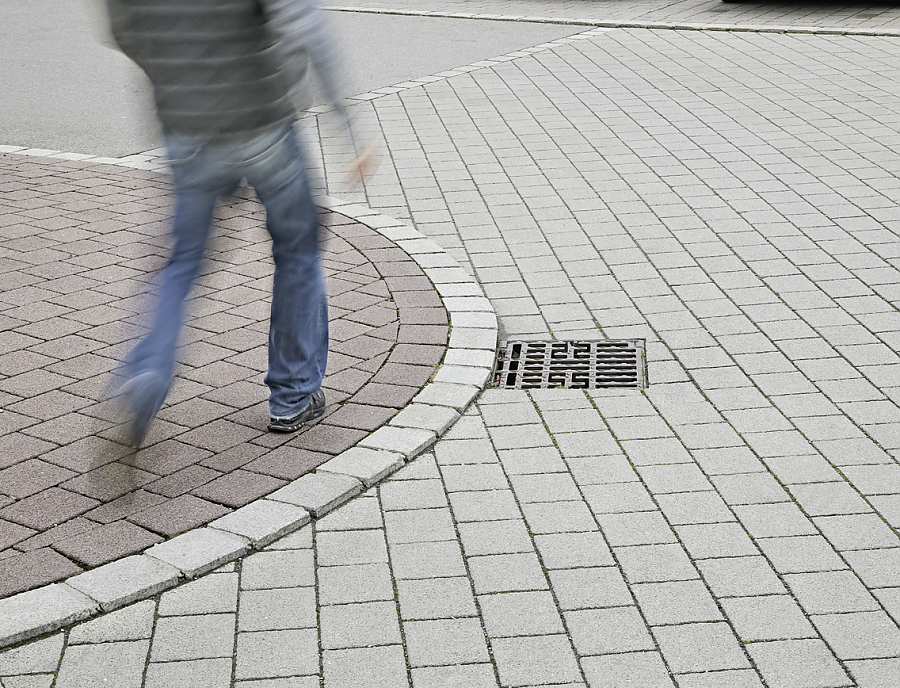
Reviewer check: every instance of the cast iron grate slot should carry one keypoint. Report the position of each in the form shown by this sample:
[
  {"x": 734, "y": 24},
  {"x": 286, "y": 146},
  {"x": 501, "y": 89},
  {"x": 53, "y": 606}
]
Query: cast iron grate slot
[{"x": 585, "y": 364}]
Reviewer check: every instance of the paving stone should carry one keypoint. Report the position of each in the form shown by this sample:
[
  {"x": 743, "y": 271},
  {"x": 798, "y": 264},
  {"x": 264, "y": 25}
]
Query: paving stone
[
  {"x": 201, "y": 673},
  {"x": 335, "y": 548},
  {"x": 485, "y": 505},
  {"x": 768, "y": 617},
  {"x": 737, "y": 678},
  {"x": 436, "y": 598},
  {"x": 359, "y": 625},
  {"x": 861, "y": 635},
  {"x": 263, "y": 521},
  {"x": 23, "y": 571},
  {"x": 700, "y": 647},
  {"x": 506, "y": 573},
  {"x": 412, "y": 494},
  {"x": 652, "y": 563},
  {"x": 876, "y": 568},
  {"x": 568, "y": 550},
  {"x": 358, "y": 583},
  {"x": 277, "y": 609},
  {"x": 199, "y": 551},
  {"x": 533, "y": 660},
  {"x": 801, "y": 554},
  {"x": 270, "y": 654},
  {"x": 495, "y": 537},
  {"x": 797, "y": 664},
  {"x": 278, "y": 569},
  {"x": 366, "y": 465},
  {"x": 419, "y": 525},
  {"x": 461, "y": 676},
  {"x": 193, "y": 637},
  {"x": 638, "y": 669},
  {"x": 774, "y": 520},
  {"x": 484, "y": 476},
  {"x": 445, "y": 642},
  {"x": 675, "y": 602},
  {"x": 212, "y": 594},
  {"x": 426, "y": 560},
  {"x": 123, "y": 581},
  {"x": 378, "y": 667},
  {"x": 875, "y": 673},
  {"x": 134, "y": 622},
  {"x": 119, "y": 664},
  {"x": 520, "y": 613},
  {"x": 318, "y": 493},
  {"x": 558, "y": 517},
  {"x": 38, "y": 656},
  {"x": 716, "y": 540},
  {"x": 830, "y": 592},
  {"x": 606, "y": 631}
]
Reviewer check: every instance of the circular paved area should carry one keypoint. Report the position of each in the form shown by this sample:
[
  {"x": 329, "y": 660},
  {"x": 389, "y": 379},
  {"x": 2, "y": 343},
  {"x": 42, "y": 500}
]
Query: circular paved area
[{"x": 79, "y": 244}]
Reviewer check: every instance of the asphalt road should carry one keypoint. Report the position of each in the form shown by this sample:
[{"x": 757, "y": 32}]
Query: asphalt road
[{"x": 65, "y": 87}]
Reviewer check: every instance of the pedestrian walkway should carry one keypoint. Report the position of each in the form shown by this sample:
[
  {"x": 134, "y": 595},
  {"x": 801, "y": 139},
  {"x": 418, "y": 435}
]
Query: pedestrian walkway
[{"x": 730, "y": 197}]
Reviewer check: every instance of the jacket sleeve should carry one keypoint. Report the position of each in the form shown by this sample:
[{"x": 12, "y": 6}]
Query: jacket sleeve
[{"x": 301, "y": 32}]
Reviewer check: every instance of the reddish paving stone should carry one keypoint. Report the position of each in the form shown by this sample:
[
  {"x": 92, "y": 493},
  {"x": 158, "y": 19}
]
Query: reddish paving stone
[
  {"x": 288, "y": 462},
  {"x": 238, "y": 488},
  {"x": 33, "y": 569},
  {"x": 175, "y": 516},
  {"x": 107, "y": 543},
  {"x": 81, "y": 250}
]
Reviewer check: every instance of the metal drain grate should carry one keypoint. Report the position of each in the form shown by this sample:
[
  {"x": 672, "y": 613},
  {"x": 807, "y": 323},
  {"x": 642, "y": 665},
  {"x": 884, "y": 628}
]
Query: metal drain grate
[{"x": 587, "y": 364}]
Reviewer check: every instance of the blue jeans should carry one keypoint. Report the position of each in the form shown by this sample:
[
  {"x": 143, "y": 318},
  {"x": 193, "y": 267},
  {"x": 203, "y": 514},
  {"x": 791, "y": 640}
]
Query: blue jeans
[{"x": 203, "y": 171}]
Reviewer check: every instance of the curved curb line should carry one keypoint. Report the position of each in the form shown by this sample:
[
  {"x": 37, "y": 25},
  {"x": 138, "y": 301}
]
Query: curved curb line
[
  {"x": 466, "y": 368},
  {"x": 625, "y": 24}
]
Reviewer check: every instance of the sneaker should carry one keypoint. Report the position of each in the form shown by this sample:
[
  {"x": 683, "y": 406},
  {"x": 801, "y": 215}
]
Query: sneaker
[
  {"x": 314, "y": 409},
  {"x": 143, "y": 396}
]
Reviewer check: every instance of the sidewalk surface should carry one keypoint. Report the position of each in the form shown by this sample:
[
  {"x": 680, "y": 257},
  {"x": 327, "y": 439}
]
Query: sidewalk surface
[{"x": 731, "y": 197}]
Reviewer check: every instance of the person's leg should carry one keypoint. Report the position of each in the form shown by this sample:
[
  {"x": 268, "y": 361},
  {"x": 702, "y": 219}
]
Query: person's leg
[
  {"x": 298, "y": 331},
  {"x": 148, "y": 367}
]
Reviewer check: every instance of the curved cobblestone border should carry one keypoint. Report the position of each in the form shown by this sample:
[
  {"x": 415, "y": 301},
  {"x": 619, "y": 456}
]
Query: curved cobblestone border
[
  {"x": 617, "y": 24},
  {"x": 466, "y": 368}
]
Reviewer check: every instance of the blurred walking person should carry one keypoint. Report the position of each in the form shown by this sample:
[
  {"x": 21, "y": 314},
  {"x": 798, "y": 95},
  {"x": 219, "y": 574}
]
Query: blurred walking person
[{"x": 223, "y": 73}]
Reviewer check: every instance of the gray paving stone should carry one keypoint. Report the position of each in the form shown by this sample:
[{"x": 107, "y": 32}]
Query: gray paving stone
[
  {"x": 533, "y": 660},
  {"x": 263, "y": 521},
  {"x": 740, "y": 576},
  {"x": 407, "y": 441},
  {"x": 875, "y": 673},
  {"x": 134, "y": 622},
  {"x": 797, "y": 664},
  {"x": 876, "y": 568},
  {"x": 568, "y": 550},
  {"x": 366, "y": 465},
  {"x": 506, "y": 573},
  {"x": 716, "y": 540},
  {"x": 436, "y": 598},
  {"x": 35, "y": 657},
  {"x": 118, "y": 664},
  {"x": 700, "y": 647},
  {"x": 464, "y": 451},
  {"x": 270, "y": 654},
  {"x": 460, "y": 676},
  {"x": 768, "y": 617},
  {"x": 830, "y": 592},
  {"x": 193, "y": 637},
  {"x": 639, "y": 528},
  {"x": 378, "y": 667},
  {"x": 295, "y": 682},
  {"x": 354, "y": 583},
  {"x": 736, "y": 678},
  {"x": 359, "y": 625},
  {"x": 318, "y": 493},
  {"x": 201, "y": 673},
  {"x": 277, "y": 609},
  {"x": 638, "y": 669},
  {"x": 445, "y": 642},
  {"x": 199, "y": 551},
  {"x": 426, "y": 560},
  {"x": 278, "y": 569},
  {"x": 520, "y": 613},
  {"x": 362, "y": 513},
  {"x": 484, "y": 505},
  {"x": 558, "y": 517},
  {"x": 607, "y": 631},
  {"x": 412, "y": 494},
  {"x": 861, "y": 635},
  {"x": 801, "y": 554},
  {"x": 484, "y": 476},
  {"x": 774, "y": 520},
  {"x": 335, "y": 548},
  {"x": 215, "y": 593},
  {"x": 653, "y": 563},
  {"x": 675, "y": 602},
  {"x": 120, "y": 582},
  {"x": 35, "y": 612},
  {"x": 31, "y": 681}
]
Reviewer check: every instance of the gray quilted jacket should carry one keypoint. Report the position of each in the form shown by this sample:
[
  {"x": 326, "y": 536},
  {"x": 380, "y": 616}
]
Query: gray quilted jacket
[{"x": 224, "y": 66}]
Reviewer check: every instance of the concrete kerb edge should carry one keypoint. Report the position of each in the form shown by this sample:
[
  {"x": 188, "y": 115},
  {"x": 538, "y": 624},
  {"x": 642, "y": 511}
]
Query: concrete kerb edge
[
  {"x": 390, "y": 447},
  {"x": 624, "y": 24}
]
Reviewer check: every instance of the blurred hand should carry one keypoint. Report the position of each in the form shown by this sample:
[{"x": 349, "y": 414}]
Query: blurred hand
[{"x": 365, "y": 165}]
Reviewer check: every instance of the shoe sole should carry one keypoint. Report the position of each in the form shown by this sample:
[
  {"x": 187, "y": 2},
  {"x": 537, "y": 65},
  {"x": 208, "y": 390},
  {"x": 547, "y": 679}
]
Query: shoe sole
[{"x": 281, "y": 426}]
